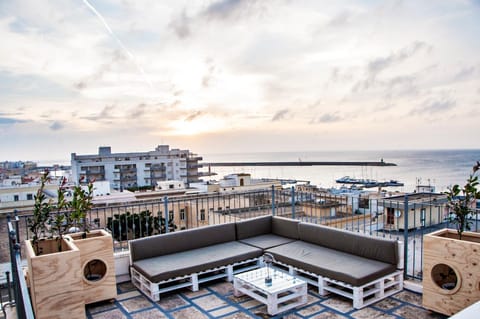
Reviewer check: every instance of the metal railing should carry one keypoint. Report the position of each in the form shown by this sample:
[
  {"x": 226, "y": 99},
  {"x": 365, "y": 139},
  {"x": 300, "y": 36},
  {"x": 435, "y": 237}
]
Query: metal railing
[
  {"x": 405, "y": 218},
  {"x": 21, "y": 296}
]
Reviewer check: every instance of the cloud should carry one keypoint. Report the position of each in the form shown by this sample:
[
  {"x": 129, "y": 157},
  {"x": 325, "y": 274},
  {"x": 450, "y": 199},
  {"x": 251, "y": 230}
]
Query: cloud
[
  {"x": 224, "y": 8},
  {"x": 376, "y": 66},
  {"x": 465, "y": 73},
  {"x": 139, "y": 111},
  {"x": 116, "y": 57},
  {"x": 401, "y": 86},
  {"x": 434, "y": 106},
  {"x": 328, "y": 118},
  {"x": 208, "y": 77},
  {"x": 8, "y": 120},
  {"x": 56, "y": 125},
  {"x": 280, "y": 115},
  {"x": 193, "y": 116},
  {"x": 379, "y": 64},
  {"x": 181, "y": 25},
  {"x": 340, "y": 19},
  {"x": 106, "y": 113}
]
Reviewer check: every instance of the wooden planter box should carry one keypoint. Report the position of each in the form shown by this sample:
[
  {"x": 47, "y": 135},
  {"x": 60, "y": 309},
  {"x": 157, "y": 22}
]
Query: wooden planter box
[
  {"x": 451, "y": 271},
  {"x": 54, "y": 280},
  {"x": 97, "y": 265}
]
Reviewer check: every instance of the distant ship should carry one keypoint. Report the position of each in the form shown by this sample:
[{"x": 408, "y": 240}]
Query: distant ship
[{"x": 368, "y": 183}]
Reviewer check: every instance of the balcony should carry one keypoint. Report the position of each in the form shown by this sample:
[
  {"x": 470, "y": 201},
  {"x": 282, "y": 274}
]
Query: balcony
[{"x": 216, "y": 299}]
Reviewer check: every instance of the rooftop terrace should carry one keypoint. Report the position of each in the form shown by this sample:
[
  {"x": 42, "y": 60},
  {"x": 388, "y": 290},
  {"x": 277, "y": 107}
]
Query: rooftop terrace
[{"x": 216, "y": 299}]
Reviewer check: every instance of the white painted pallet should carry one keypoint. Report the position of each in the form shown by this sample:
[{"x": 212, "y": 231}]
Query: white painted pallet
[
  {"x": 361, "y": 296},
  {"x": 191, "y": 281}
]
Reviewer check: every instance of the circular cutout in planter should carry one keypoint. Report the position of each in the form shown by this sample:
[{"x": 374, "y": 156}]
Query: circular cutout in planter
[
  {"x": 445, "y": 277},
  {"x": 94, "y": 270}
]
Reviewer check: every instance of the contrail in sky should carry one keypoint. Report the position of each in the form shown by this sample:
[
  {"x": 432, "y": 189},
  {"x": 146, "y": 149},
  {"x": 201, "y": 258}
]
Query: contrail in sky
[{"x": 120, "y": 43}]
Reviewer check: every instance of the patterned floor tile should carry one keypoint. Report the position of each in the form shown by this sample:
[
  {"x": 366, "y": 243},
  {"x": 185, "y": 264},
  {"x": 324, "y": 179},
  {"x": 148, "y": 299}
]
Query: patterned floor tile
[
  {"x": 238, "y": 315},
  {"x": 340, "y": 304},
  {"x": 387, "y": 304},
  {"x": 223, "y": 311},
  {"x": 411, "y": 312},
  {"x": 136, "y": 303},
  {"x": 190, "y": 313},
  {"x": 209, "y": 302},
  {"x": 171, "y": 302},
  {"x": 368, "y": 313},
  {"x": 410, "y": 297},
  {"x": 310, "y": 310},
  {"x": 111, "y": 314},
  {"x": 149, "y": 314},
  {"x": 328, "y": 315},
  {"x": 129, "y": 294},
  {"x": 193, "y": 294}
]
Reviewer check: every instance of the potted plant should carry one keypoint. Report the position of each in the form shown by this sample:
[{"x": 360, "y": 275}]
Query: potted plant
[
  {"x": 53, "y": 262},
  {"x": 96, "y": 249},
  {"x": 451, "y": 257}
]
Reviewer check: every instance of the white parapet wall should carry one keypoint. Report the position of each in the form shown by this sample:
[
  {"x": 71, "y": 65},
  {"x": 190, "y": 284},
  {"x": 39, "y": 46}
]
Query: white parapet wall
[{"x": 122, "y": 266}]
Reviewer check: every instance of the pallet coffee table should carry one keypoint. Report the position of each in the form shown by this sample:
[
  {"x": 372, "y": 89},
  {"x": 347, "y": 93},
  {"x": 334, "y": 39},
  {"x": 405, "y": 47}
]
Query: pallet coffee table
[{"x": 283, "y": 293}]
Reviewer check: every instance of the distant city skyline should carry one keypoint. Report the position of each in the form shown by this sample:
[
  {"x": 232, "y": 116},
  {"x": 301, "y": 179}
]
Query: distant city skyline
[{"x": 237, "y": 76}]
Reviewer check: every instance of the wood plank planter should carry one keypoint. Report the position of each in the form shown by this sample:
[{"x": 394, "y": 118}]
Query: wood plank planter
[
  {"x": 97, "y": 265},
  {"x": 451, "y": 271},
  {"x": 54, "y": 280}
]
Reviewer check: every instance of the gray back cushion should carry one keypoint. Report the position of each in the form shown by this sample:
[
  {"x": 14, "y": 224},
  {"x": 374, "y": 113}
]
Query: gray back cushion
[
  {"x": 165, "y": 244},
  {"x": 380, "y": 249},
  {"x": 285, "y": 227},
  {"x": 253, "y": 227}
]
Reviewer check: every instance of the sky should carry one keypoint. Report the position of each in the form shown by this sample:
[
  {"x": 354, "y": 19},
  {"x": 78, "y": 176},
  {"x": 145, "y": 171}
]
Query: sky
[{"x": 233, "y": 76}]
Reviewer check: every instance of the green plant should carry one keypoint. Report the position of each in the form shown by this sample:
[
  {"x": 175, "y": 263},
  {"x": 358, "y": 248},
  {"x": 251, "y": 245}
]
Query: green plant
[
  {"x": 462, "y": 201},
  {"x": 138, "y": 225},
  {"x": 37, "y": 224},
  {"x": 54, "y": 219}
]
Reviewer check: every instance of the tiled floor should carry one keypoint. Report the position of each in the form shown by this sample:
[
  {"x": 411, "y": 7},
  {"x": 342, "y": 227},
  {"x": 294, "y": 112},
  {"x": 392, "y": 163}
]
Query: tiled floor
[{"x": 217, "y": 301}]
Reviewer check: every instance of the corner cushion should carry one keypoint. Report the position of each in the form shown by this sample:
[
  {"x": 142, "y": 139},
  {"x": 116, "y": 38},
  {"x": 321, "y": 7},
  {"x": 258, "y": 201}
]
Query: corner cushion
[
  {"x": 266, "y": 241},
  {"x": 253, "y": 227}
]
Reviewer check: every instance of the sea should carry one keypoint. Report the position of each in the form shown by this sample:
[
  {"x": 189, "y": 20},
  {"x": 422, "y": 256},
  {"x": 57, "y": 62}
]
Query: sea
[{"x": 438, "y": 168}]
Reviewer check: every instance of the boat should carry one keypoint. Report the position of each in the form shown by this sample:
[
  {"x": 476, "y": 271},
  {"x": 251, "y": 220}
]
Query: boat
[{"x": 368, "y": 183}]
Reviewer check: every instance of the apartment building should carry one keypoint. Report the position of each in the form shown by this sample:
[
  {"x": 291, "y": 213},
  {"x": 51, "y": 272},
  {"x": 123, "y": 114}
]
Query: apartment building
[{"x": 125, "y": 170}]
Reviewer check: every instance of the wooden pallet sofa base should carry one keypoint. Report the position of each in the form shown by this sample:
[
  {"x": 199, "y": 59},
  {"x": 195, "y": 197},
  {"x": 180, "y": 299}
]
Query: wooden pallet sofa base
[
  {"x": 361, "y": 296},
  {"x": 191, "y": 281}
]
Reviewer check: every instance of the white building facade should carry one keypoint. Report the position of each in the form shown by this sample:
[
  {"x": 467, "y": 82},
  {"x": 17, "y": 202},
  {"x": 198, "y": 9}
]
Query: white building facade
[{"x": 129, "y": 170}]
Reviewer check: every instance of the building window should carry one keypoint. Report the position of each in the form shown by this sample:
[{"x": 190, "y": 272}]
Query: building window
[
  {"x": 170, "y": 215},
  {"x": 15, "y": 198},
  {"x": 202, "y": 214},
  {"x": 29, "y": 196},
  {"x": 423, "y": 216},
  {"x": 182, "y": 214}
]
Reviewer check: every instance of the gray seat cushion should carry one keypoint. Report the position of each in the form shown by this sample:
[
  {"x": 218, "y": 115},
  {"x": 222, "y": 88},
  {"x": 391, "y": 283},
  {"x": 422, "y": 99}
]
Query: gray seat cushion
[
  {"x": 187, "y": 262},
  {"x": 334, "y": 264},
  {"x": 266, "y": 241}
]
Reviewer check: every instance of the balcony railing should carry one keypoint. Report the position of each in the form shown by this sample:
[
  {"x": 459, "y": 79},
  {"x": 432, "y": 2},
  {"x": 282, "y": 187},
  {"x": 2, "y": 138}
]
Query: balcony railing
[{"x": 398, "y": 219}]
